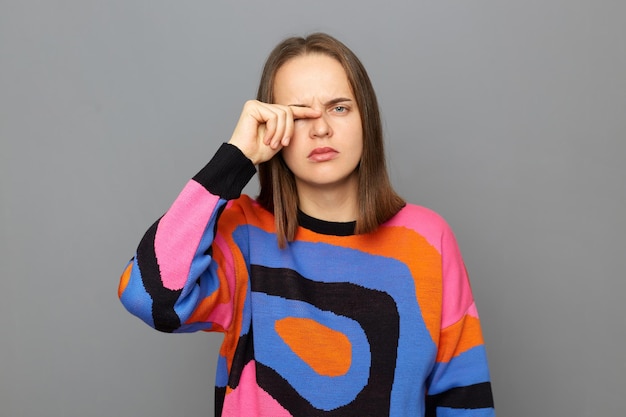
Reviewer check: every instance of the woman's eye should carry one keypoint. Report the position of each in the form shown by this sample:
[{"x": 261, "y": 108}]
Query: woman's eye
[{"x": 340, "y": 109}]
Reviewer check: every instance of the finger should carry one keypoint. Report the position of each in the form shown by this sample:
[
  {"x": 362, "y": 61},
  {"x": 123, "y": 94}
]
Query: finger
[
  {"x": 289, "y": 128},
  {"x": 281, "y": 124},
  {"x": 274, "y": 119},
  {"x": 283, "y": 114},
  {"x": 266, "y": 117},
  {"x": 270, "y": 128},
  {"x": 304, "y": 112}
]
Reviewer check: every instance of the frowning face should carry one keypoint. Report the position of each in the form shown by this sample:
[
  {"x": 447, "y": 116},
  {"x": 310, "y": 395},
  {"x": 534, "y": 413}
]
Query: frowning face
[{"x": 324, "y": 152}]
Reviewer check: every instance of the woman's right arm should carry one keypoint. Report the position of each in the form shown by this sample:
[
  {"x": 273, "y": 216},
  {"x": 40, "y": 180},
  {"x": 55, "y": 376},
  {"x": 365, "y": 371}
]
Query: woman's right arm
[
  {"x": 173, "y": 270},
  {"x": 173, "y": 273}
]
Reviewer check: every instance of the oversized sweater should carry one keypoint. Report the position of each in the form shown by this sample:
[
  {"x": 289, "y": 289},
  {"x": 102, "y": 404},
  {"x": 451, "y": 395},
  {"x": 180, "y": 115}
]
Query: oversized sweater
[{"x": 335, "y": 324}]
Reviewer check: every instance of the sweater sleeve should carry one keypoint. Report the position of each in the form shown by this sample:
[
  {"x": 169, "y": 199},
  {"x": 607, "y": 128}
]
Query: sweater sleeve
[
  {"x": 459, "y": 384},
  {"x": 173, "y": 274}
]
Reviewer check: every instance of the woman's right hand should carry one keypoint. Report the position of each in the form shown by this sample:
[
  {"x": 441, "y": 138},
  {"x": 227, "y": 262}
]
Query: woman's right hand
[{"x": 264, "y": 129}]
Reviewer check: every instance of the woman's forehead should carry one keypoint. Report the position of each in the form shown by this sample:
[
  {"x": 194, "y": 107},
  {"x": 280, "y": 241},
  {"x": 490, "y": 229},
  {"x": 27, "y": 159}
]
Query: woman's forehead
[{"x": 311, "y": 77}]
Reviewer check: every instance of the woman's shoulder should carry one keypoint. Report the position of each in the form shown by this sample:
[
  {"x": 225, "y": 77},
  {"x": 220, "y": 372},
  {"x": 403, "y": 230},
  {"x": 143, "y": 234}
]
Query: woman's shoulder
[
  {"x": 244, "y": 200},
  {"x": 413, "y": 213},
  {"x": 246, "y": 209},
  {"x": 423, "y": 220}
]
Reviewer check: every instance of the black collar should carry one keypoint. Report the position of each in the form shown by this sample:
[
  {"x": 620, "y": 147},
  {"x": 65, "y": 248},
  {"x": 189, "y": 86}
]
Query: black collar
[{"x": 326, "y": 227}]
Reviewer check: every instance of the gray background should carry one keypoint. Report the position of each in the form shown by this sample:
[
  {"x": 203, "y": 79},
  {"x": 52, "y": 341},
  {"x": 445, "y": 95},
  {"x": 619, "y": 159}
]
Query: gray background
[{"x": 509, "y": 118}]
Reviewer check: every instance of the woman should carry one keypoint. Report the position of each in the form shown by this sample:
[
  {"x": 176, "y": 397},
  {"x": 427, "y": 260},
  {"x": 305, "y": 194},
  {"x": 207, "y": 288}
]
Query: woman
[{"x": 335, "y": 297}]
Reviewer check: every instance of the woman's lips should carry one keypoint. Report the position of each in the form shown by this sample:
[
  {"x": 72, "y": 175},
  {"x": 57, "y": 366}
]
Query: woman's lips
[{"x": 322, "y": 154}]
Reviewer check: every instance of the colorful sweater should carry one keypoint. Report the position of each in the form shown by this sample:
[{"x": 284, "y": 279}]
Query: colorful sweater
[{"x": 335, "y": 324}]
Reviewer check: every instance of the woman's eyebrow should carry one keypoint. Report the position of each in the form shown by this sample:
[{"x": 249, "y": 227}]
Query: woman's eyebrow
[
  {"x": 336, "y": 101},
  {"x": 331, "y": 102}
]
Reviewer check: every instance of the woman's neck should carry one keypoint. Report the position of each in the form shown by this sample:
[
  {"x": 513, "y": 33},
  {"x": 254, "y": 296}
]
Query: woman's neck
[{"x": 335, "y": 204}]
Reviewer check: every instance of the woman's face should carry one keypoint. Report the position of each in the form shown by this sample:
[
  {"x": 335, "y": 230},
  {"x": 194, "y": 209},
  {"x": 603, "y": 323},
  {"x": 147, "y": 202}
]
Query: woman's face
[{"x": 326, "y": 151}]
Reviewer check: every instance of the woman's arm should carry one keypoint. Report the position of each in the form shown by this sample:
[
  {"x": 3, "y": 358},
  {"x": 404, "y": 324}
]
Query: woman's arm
[
  {"x": 173, "y": 273},
  {"x": 173, "y": 269}
]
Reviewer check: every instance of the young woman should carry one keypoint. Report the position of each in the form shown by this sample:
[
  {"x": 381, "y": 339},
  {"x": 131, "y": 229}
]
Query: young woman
[{"x": 335, "y": 297}]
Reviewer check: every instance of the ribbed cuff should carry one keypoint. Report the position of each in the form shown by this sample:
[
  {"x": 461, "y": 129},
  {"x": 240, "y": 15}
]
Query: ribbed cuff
[{"x": 227, "y": 173}]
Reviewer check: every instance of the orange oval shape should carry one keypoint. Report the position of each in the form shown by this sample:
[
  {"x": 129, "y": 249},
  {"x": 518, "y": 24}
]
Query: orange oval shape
[{"x": 327, "y": 351}]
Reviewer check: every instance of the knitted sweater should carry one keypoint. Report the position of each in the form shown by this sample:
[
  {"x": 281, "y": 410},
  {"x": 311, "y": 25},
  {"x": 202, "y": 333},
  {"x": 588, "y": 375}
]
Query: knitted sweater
[{"x": 335, "y": 324}]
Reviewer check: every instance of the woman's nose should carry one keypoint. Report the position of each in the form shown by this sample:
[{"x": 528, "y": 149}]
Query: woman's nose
[{"x": 320, "y": 127}]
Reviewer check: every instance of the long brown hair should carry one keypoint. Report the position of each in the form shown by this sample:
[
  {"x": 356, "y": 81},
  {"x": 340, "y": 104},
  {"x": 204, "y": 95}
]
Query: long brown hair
[{"x": 377, "y": 200}]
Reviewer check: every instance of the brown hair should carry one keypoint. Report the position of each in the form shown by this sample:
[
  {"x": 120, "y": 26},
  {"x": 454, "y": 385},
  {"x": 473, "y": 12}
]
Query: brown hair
[{"x": 377, "y": 200}]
